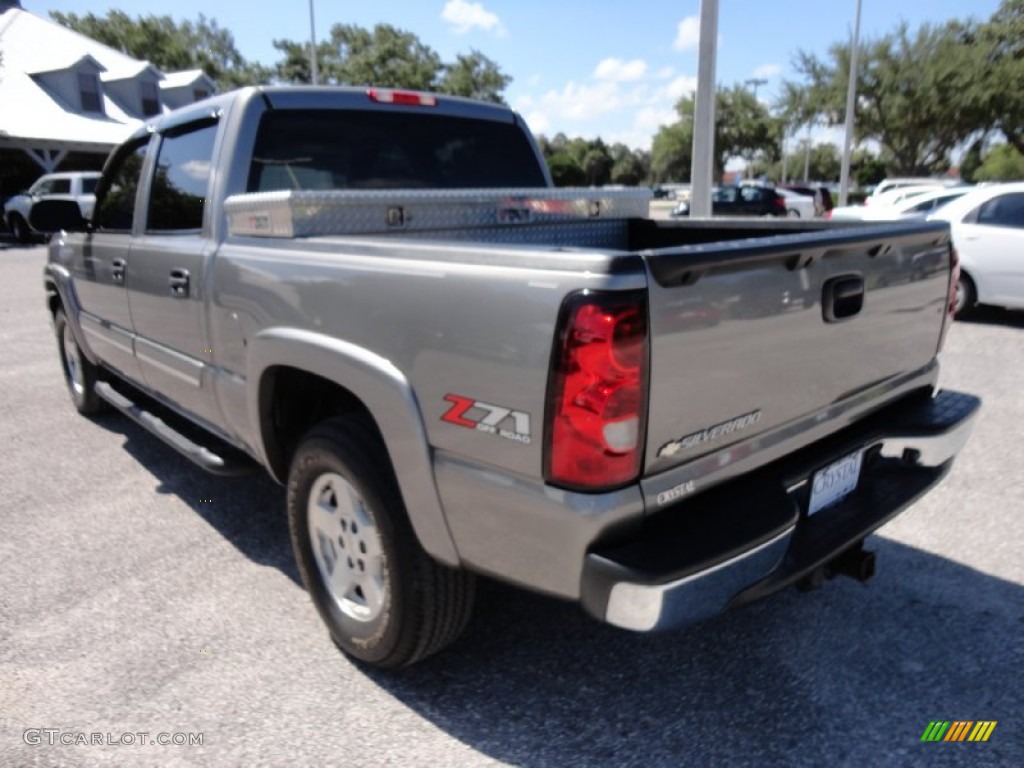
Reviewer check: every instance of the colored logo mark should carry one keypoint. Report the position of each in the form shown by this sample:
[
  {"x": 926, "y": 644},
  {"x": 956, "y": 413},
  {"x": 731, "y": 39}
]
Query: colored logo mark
[{"x": 959, "y": 730}]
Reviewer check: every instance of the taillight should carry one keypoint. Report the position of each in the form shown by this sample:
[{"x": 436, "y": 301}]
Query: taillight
[
  {"x": 597, "y": 395},
  {"x": 406, "y": 98},
  {"x": 828, "y": 215},
  {"x": 954, "y": 279}
]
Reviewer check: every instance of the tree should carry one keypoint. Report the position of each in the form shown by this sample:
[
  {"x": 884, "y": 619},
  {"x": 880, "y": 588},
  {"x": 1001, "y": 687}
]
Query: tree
[
  {"x": 1003, "y": 163},
  {"x": 391, "y": 58},
  {"x": 821, "y": 162},
  {"x": 1000, "y": 42},
  {"x": 565, "y": 171},
  {"x": 474, "y": 76},
  {"x": 743, "y": 127},
  {"x": 917, "y": 93},
  {"x": 169, "y": 46}
]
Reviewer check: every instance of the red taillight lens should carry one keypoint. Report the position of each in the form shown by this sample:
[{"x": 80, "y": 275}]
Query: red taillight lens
[
  {"x": 954, "y": 279},
  {"x": 597, "y": 404}
]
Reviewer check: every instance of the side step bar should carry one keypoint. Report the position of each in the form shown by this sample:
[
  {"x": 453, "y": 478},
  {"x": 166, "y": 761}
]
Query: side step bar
[{"x": 226, "y": 461}]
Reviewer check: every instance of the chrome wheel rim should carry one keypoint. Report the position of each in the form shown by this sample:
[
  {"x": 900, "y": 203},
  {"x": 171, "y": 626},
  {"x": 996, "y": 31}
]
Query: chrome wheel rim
[
  {"x": 347, "y": 547},
  {"x": 961, "y": 296},
  {"x": 71, "y": 361}
]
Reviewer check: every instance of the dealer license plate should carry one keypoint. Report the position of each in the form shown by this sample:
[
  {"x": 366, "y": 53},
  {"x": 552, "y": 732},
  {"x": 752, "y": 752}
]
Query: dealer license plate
[{"x": 835, "y": 482}]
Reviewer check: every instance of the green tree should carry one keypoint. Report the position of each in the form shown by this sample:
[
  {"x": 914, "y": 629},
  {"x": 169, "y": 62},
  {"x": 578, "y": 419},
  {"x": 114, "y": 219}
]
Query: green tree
[
  {"x": 917, "y": 92},
  {"x": 743, "y": 128},
  {"x": 996, "y": 92},
  {"x": 1003, "y": 163},
  {"x": 387, "y": 56},
  {"x": 672, "y": 153},
  {"x": 565, "y": 171},
  {"x": 201, "y": 44},
  {"x": 629, "y": 167},
  {"x": 474, "y": 76}
]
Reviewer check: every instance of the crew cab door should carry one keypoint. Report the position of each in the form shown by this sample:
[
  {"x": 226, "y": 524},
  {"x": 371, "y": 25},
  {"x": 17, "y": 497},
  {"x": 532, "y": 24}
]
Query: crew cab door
[
  {"x": 100, "y": 266},
  {"x": 166, "y": 293}
]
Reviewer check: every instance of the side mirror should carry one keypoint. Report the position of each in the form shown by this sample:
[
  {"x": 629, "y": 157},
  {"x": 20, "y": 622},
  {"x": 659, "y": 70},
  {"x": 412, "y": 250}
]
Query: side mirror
[{"x": 55, "y": 215}]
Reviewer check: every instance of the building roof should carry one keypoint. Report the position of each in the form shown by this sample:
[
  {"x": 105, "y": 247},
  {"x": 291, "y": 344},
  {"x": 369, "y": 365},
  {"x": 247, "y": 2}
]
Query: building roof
[
  {"x": 187, "y": 78},
  {"x": 36, "y": 115}
]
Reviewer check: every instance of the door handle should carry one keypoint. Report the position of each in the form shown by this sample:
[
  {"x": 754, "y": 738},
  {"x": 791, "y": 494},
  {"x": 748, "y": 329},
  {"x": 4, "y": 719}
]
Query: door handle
[
  {"x": 179, "y": 283},
  {"x": 117, "y": 270}
]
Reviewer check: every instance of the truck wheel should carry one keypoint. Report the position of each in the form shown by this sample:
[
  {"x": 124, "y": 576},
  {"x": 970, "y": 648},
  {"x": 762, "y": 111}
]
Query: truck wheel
[
  {"x": 385, "y": 601},
  {"x": 79, "y": 374},
  {"x": 19, "y": 227}
]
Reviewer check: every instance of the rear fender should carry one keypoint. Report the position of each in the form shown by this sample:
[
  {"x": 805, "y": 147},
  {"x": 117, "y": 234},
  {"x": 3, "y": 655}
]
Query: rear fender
[
  {"x": 57, "y": 280},
  {"x": 388, "y": 396}
]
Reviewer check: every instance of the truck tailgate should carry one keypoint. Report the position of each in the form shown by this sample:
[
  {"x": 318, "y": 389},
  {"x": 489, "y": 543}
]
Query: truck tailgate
[{"x": 748, "y": 336}]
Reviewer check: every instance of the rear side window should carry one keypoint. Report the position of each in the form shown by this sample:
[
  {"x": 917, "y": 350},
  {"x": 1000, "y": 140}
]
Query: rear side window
[
  {"x": 1003, "y": 211},
  {"x": 115, "y": 197},
  {"x": 89, "y": 185},
  {"x": 178, "y": 193},
  {"x": 364, "y": 149}
]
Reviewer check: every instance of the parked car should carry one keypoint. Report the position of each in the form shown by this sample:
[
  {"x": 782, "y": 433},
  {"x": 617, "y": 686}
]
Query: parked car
[
  {"x": 822, "y": 196},
  {"x": 798, "y": 205},
  {"x": 884, "y": 201},
  {"x": 913, "y": 206},
  {"x": 988, "y": 233},
  {"x": 888, "y": 185},
  {"x": 73, "y": 185},
  {"x": 740, "y": 201}
]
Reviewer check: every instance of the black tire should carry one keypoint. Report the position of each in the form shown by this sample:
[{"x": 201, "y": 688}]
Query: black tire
[
  {"x": 425, "y": 605},
  {"x": 20, "y": 228},
  {"x": 80, "y": 380},
  {"x": 967, "y": 295}
]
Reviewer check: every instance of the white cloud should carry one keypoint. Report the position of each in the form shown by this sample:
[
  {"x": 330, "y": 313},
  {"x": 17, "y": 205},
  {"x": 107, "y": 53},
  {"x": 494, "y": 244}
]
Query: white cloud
[
  {"x": 768, "y": 70},
  {"x": 464, "y": 17},
  {"x": 620, "y": 71},
  {"x": 649, "y": 119},
  {"x": 681, "y": 86},
  {"x": 688, "y": 34},
  {"x": 583, "y": 102},
  {"x": 538, "y": 122},
  {"x": 665, "y": 73}
]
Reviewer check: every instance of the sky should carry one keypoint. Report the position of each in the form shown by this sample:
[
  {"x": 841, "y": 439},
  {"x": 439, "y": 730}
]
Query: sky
[{"x": 594, "y": 68}]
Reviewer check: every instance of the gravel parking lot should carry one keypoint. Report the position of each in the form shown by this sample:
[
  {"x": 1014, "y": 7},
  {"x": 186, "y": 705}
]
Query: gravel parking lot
[{"x": 139, "y": 595}]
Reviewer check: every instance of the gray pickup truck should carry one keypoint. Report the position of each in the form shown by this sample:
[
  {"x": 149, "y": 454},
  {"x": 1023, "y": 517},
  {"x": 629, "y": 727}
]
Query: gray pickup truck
[{"x": 456, "y": 370}]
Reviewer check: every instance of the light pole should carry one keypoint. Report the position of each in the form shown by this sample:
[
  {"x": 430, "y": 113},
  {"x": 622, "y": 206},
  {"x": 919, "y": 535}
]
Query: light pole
[
  {"x": 755, "y": 83},
  {"x": 851, "y": 100},
  {"x": 312, "y": 45},
  {"x": 702, "y": 171}
]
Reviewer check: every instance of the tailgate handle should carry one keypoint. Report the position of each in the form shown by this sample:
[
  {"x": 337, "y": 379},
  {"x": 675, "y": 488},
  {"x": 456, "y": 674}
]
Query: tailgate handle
[{"x": 842, "y": 297}]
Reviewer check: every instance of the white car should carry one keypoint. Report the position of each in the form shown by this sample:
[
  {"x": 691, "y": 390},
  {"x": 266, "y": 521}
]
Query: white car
[
  {"x": 72, "y": 185},
  {"x": 883, "y": 201},
  {"x": 915, "y": 206},
  {"x": 988, "y": 233},
  {"x": 797, "y": 205}
]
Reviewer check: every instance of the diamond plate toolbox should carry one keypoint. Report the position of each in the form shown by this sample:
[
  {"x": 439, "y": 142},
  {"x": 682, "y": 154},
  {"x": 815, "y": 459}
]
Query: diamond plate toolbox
[{"x": 304, "y": 213}]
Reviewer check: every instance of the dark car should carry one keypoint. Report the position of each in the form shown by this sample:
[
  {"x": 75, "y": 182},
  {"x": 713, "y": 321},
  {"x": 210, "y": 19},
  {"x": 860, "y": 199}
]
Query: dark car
[
  {"x": 822, "y": 196},
  {"x": 741, "y": 201}
]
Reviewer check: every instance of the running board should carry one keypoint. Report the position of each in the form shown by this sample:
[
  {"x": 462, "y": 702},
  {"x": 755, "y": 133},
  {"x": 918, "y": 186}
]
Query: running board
[{"x": 226, "y": 461}]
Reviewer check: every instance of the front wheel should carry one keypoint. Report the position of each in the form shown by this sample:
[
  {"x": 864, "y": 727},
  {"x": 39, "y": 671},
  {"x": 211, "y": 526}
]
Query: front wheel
[
  {"x": 80, "y": 375},
  {"x": 385, "y": 601},
  {"x": 20, "y": 229}
]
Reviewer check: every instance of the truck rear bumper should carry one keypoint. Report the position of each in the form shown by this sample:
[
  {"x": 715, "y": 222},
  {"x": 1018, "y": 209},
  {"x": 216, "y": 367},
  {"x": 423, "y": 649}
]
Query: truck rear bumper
[{"x": 750, "y": 538}]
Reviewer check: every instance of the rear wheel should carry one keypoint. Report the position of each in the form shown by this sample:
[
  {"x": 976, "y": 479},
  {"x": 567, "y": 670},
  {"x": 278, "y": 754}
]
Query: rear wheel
[
  {"x": 79, "y": 374},
  {"x": 20, "y": 229},
  {"x": 385, "y": 601},
  {"x": 793, "y": 213},
  {"x": 966, "y": 295}
]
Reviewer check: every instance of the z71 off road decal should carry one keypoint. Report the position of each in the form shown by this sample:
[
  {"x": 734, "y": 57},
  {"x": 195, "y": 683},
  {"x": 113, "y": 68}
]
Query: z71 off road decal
[{"x": 485, "y": 417}]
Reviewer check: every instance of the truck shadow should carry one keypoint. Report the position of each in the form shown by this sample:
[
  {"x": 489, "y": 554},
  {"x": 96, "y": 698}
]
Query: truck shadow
[
  {"x": 848, "y": 675},
  {"x": 848, "y": 671},
  {"x": 248, "y": 511}
]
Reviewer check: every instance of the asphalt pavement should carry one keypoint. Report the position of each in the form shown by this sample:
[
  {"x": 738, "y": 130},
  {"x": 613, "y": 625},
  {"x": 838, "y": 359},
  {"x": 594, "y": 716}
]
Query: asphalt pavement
[{"x": 139, "y": 595}]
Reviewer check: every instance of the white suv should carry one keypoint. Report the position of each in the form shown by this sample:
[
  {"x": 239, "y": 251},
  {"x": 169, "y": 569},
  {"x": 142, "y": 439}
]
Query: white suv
[{"x": 73, "y": 185}]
